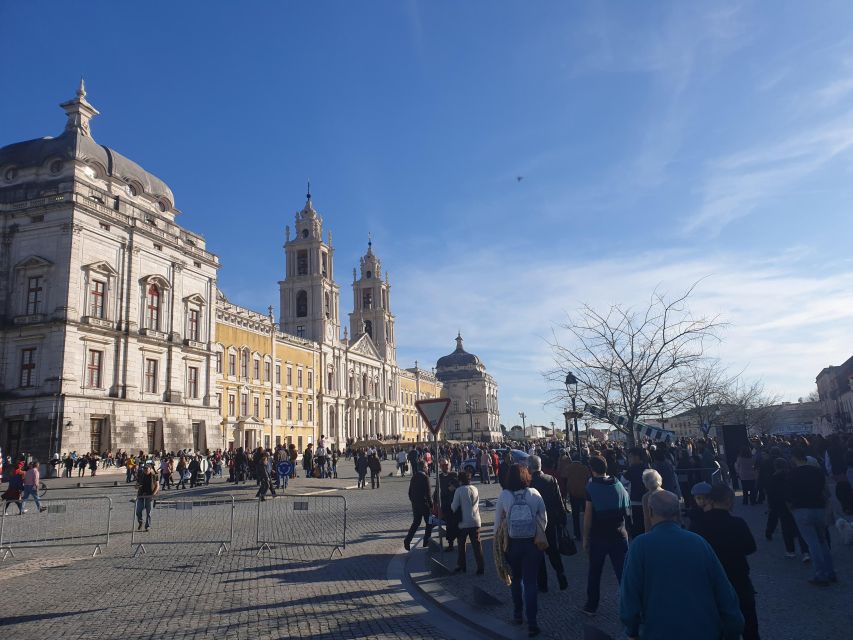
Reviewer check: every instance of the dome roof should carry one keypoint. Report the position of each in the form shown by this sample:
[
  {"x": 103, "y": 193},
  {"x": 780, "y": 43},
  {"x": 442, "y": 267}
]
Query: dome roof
[
  {"x": 76, "y": 143},
  {"x": 459, "y": 358}
]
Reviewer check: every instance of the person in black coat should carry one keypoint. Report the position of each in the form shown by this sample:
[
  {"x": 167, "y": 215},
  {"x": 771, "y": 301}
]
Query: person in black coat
[
  {"x": 549, "y": 489},
  {"x": 420, "y": 495},
  {"x": 732, "y": 541},
  {"x": 447, "y": 482},
  {"x": 262, "y": 473}
]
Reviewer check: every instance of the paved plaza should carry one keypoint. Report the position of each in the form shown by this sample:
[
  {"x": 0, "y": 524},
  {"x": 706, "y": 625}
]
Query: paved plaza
[{"x": 184, "y": 590}]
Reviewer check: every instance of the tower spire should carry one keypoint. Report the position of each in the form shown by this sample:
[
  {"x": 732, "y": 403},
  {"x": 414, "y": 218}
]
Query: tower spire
[
  {"x": 79, "y": 111},
  {"x": 308, "y": 195}
]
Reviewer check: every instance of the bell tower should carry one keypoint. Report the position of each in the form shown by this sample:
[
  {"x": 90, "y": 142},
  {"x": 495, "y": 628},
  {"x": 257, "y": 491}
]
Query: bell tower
[
  {"x": 372, "y": 306},
  {"x": 308, "y": 294}
]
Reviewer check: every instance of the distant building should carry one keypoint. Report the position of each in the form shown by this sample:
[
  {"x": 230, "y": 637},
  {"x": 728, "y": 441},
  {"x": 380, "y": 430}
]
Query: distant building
[
  {"x": 835, "y": 393},
  {"x": 473, "y": 394}
]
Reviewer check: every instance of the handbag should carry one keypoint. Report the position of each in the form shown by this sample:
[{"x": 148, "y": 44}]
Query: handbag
[
  {"x": 565, "y": 542},
  {"x": 540, "y": 539}
]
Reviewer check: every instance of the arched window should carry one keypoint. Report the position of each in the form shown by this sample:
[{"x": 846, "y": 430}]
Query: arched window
[
  {"x": 153, "y": 307},
  {"x": 301, "y": 304},
  {"x": 368, "y": 327}
]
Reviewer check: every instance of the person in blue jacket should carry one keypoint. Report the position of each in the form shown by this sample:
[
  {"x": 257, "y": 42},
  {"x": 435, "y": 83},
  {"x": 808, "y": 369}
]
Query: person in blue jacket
[{"x": 673, "y": 585}]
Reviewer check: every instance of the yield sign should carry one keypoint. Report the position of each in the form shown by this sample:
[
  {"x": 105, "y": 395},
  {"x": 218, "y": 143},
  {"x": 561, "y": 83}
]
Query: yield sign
[{"x": 433, "y": 412}]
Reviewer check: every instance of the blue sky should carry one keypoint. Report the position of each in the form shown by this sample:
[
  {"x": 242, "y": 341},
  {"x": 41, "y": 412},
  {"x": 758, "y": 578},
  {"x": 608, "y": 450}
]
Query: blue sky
[{"x": 659, "y": 143}]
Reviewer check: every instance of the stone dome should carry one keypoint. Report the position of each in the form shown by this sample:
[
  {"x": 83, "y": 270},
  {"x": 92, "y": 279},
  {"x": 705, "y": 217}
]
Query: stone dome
[{"x": 459, "y": 358}]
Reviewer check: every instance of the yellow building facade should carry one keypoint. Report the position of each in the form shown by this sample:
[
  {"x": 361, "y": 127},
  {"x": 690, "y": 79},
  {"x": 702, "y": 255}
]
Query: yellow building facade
[
  {"x": 416, "y": 384},
  {"x": 266, "y": 381}
]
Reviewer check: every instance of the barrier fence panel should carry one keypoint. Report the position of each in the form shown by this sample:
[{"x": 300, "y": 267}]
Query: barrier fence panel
[
  {"x": 302, "y": 520},
  {"x": 61, "y": 522},
  {"x": 187, "y": 521}
]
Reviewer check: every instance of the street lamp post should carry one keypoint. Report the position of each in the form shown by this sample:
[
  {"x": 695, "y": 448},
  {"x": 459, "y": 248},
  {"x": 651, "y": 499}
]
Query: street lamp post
[
  {"x": 523, "y": 417},
  {"x": 572, "y": 390}
]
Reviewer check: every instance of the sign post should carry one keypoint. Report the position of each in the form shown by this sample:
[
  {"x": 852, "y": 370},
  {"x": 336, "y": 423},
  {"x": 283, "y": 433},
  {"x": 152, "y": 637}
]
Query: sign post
[{"x": 433, "y": 412}]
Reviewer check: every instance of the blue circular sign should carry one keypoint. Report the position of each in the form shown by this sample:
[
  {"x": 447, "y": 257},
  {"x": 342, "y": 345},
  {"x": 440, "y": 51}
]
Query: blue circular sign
[{"x": 284, "y": 468}]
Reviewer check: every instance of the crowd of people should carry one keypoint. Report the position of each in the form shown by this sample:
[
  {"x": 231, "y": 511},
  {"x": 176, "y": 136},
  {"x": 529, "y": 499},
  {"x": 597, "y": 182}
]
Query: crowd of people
[{"x": 660, "y": 512}]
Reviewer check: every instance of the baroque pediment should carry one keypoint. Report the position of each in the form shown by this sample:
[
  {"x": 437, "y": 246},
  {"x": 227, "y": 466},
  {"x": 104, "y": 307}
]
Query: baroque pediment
[{"x": 364, "y": 346}]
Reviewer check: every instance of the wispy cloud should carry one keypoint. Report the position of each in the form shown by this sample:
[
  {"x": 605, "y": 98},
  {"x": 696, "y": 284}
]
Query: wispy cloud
[{"x": 779, "y": 312}]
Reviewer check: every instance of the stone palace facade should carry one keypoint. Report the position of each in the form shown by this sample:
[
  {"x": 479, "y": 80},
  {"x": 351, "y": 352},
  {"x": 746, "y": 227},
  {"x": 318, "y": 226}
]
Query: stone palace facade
[{"x": 114, "y": 334}]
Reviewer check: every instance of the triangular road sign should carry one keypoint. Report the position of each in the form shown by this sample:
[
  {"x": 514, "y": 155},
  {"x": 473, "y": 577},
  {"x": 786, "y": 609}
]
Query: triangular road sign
[{"x": 433, "y": 412}]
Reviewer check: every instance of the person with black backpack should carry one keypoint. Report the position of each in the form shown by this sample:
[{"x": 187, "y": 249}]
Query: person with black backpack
[{"x": 526, "y": 518}]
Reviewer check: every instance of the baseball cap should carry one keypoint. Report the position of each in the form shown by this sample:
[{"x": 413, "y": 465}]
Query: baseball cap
[{"x": 700, "y": 489}]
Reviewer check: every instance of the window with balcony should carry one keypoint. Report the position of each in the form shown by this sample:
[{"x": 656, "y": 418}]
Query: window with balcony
[
  {"x": 34, "y": 295},
  {"x": 94, "y": 365},
  {"x": 192, "y": 382},
  {"x": 150, "y": 375},
  {"x": 152, "y": 306},
  {"x": 28, "y": 367},
  {"x": 97, "y": 293}
]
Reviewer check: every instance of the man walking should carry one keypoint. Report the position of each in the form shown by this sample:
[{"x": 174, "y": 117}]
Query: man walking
[
  {"x": 670, "y": 560},
  {"x": 146, "y": 488},
  {"x": 607, "y": 506},
  {"x": 577, "y": 478},
  {"x": 807, "y": 496},
  {"x": 420, "y": 495},
  {"x": 549, "y": 489}
]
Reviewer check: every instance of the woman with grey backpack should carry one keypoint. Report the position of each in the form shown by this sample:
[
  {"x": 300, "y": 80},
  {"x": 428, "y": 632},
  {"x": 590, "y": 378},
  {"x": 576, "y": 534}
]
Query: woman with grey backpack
[{"x": 521, "y": 510}]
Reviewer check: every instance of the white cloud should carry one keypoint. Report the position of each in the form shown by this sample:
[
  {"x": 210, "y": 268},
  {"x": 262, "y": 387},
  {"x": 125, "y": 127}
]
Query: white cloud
[{"x": 787, "y": 323}]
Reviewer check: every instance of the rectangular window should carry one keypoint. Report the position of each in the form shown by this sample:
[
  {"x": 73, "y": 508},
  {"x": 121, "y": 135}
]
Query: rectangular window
[
  {"x": 28, "y": 367},
  {"x": 244, "y": 364},
  {"x": 96, "y": 302},
  {"x": 299, "y": 377},
  {"x": 218, "y": 363},
  {"x": 151, "y": 432},
  {"x": 278, "y": 374},
  {"x": 278, "y": 409},
  {"x": 244, "y": 404},
  {"x": 256, "y": 370},
  {"x": 231, "y": 405},
  {"x": 289, "y": 410},
  {"x": 300, "y": 331},
  {"x": 256, "y": 406},
  {"x": 232, "y": 364},
  {"x": 193, "y": 325},
  {"x": 310, "y": 412},
  {"x": 34, "y": 291},
  {"x": 266, "y": 407},
  {"x": 267, "y": 376},
  {"x": 150, "y": 375},
  {"x": 192, "y": 382},
  {"x": 299, "y": 443},
  {"x": 290, "y": 376},
  {"x": 93, "y": 369},
  {"x": 310, "y": 379},
  {"x": 299, "y": 411}
]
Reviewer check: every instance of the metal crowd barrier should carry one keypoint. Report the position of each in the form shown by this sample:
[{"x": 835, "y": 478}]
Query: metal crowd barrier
[
  {"x": 63, "y": 522},
  {"x": 188, "y": 521},
  {"x": 302, "y": 520}
]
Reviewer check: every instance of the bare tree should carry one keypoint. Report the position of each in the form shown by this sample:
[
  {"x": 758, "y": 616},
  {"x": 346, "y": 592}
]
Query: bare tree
[
  {"x": 627, "y": 358},
  {"x": 705, "y": 391},
  {"x": 750, "y": 404}
]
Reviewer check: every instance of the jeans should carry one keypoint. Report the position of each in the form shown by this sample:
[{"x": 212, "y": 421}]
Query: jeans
[
  {"x": 144, "y": 503},
  {"x": 812, "y": 525},
  {"x": 524, "y": 559},
  {"x": 598, "y": 551},
  {"x": 472, "y": 534},
  {"x": 31, "y": 490}
]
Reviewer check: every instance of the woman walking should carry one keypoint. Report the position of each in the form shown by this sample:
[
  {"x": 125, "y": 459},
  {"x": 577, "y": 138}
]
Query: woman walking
[
  {"x": 523, "y": 509},
  {"x": 745, "y": 467},
  {"x": 466, "y": 499}
]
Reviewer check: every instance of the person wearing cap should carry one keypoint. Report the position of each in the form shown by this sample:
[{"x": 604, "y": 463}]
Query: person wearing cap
[{"x": 700, "y": 493}]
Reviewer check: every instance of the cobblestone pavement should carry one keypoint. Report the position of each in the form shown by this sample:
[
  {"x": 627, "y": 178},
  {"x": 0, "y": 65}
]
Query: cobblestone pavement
[
  {"x": 788, "y": 607},
  {"x": 186, "y": 591}
]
